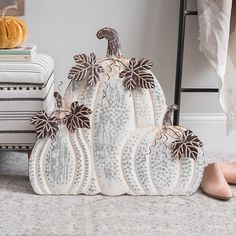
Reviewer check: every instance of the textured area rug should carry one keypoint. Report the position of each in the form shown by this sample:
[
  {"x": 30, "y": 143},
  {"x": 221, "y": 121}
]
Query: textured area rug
[{"x": 24, "y": 213}]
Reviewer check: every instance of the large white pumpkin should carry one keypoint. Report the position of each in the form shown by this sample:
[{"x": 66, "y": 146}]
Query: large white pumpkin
[
  {"x": 117, "y": 154},
  {"x": 117, "y": 113}
]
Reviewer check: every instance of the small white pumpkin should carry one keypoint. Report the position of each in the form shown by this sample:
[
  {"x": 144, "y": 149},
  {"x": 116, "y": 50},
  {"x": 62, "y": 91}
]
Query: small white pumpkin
[
  {"x": 160, "y": 171},
  {"x": 57, "y": 164}
]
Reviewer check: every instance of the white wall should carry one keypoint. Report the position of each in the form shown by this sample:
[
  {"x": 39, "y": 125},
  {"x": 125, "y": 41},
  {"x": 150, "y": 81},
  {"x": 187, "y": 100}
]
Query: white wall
[{"x": 148, "y": 28}]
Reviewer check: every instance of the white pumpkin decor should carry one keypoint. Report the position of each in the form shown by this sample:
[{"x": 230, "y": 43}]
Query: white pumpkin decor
[
  {"x": 165, "y": 162},
  {"x": 56, "y": 163},
  {"x": 130, "y": 145}
]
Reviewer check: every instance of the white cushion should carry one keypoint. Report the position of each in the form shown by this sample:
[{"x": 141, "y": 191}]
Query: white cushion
[{"x": 25, "y": 89}]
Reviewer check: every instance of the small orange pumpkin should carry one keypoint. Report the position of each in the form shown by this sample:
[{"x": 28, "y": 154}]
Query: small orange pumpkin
[{"x": 13, "y": 31}]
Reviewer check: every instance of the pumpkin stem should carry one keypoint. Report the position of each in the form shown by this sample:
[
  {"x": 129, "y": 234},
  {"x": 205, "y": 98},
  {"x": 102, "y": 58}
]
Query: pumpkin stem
[
  {"x": 112, "y": 36},
  {"x": 59, "y": 100},
  {"x": 8, "y": 8},
  {"x": 167, "y": 118}
]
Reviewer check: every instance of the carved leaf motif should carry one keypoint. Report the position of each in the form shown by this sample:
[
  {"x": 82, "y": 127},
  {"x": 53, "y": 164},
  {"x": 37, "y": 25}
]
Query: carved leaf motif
[
  {"x": 78, "y": 72},
  {"x": 143, "y": 64},
  {"x": 45, "y": 125},
  {"x": 82, "y": 59},
  {"x": 78, "y": 117},
  {"x": 86, "y": 67},
  {"x": 130, "y": 83},
  {"x": 191, "y": 138},
  {"x": 93, "y": 76},
  {"x": 136, "y": 74},
  {"x": 186, "y": 146},
  {"x": 146, "y": 80},
  {"x": 133, "y": 64}
]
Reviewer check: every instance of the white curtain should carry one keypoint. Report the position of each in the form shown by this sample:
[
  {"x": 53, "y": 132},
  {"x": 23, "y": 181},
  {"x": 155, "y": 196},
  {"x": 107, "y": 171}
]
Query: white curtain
[{"x": 217, "y": 34}]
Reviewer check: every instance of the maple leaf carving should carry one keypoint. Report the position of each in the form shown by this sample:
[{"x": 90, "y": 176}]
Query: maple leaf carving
[
  {"x": 45, "y": 125},
  {"x": 77, "y": 117},
  {"x": 186, "y": 146},
  {"x": 86, "y": 68},
  {"x": 137, "y": 75}
]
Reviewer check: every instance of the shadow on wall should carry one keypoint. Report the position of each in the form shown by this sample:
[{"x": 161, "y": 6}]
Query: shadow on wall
[{"x": 160, "y": 33}]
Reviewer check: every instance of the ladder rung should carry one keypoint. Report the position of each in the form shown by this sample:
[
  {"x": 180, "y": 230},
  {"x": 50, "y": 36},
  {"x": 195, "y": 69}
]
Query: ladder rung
[
  {"x": 200, "y": 90},
  {"x": 190, "y": 13}
]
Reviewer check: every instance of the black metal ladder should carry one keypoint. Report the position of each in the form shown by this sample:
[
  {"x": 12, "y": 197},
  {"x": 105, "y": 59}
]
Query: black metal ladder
[{"x": 183, "y": 13}]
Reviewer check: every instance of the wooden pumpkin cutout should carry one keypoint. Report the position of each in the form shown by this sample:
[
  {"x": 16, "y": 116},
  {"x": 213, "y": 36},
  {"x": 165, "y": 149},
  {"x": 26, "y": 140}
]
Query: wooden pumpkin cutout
[
  {"x": 124, "y": 96},
  {"x": 13, "y": 31},
  {"x": 128, "y": 145},
  {"x": 154, "y": 161},
  {"x": 56, "y": 165}
]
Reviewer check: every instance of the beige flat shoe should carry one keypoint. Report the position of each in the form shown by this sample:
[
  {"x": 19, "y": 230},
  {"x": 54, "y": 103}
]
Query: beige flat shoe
[
  {"x": 229, "y": 171},
  {"x": 214, "y": 184}
]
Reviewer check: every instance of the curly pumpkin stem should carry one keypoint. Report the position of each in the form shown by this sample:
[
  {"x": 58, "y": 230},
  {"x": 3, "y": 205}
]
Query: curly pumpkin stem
[
  {"x": 112, "y": 36},
  {"x": 8, "y": 8},
  {"x": 167, "y": 118}
]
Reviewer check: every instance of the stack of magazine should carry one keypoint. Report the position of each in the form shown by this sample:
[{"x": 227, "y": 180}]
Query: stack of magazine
[{"x": 24, "y": 53}]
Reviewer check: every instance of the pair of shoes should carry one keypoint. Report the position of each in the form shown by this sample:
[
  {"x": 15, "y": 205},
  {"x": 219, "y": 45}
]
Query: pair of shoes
[{"x": 216, "y": 179}]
